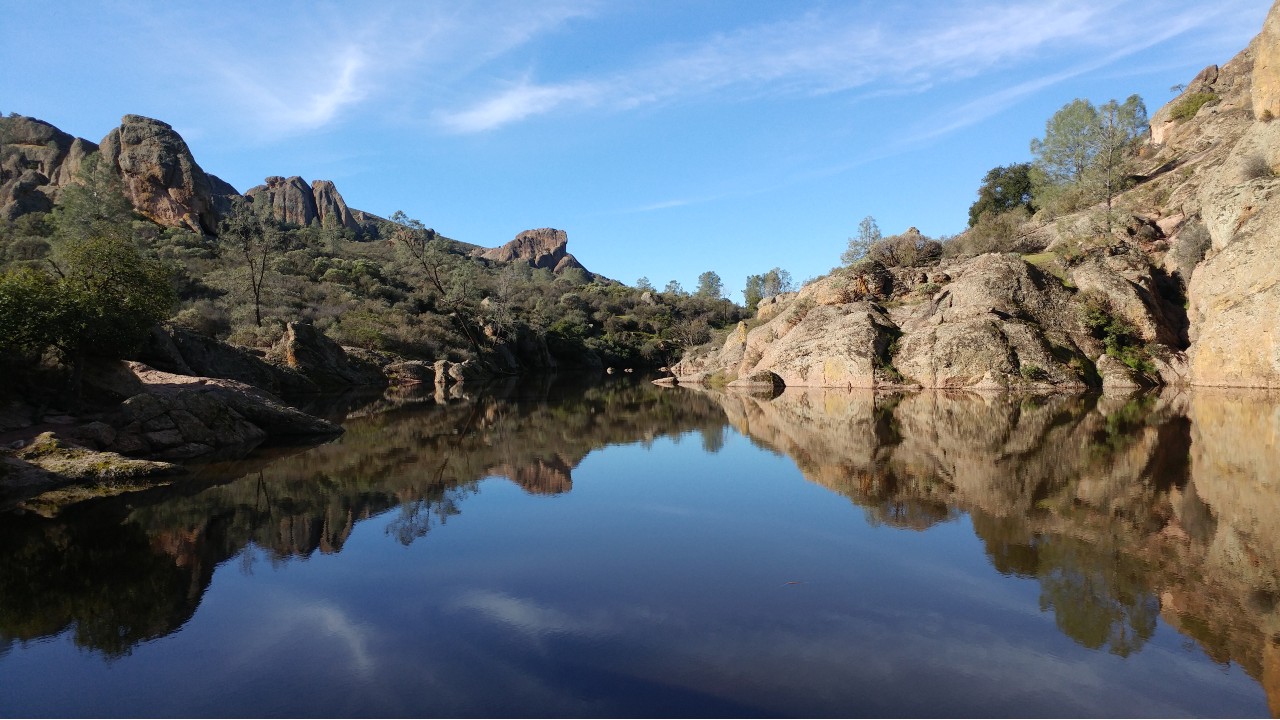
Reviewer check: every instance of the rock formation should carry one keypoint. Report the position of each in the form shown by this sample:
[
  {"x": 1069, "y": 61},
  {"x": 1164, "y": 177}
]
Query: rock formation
[
  {"x": 36, "y": 161},
  {"x": 323, "y": 361},
  {"x": 290, "y": 200},
  {"x": 331, "y": 211},
  {"x": 161, "y": 178},
  {"x": 544, "y": 248}
]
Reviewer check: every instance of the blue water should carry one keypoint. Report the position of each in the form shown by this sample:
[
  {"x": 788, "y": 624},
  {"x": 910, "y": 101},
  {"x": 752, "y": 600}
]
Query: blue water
[{"x": 669, "y": 580}]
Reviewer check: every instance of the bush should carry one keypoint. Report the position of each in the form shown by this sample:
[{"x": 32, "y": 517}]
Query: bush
[
  {"x": 910, "y": 249},
  {"x": 1035, "y": 373},
  {"x": 1255, "y": 167},
  {"x": 1188, "y": 106},
  {"x": 991, "y": 232},
  {"x": 1189, "y": 248}
]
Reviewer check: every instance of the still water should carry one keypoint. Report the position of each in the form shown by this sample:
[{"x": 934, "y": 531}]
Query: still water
[{"x": 626, "y": 550}]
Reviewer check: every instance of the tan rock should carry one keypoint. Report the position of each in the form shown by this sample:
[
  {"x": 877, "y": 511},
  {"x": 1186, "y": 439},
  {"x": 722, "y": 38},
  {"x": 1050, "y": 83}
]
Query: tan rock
[
  {"x": 161, "y": 178},
  {"x": 1265, "y": 92}
]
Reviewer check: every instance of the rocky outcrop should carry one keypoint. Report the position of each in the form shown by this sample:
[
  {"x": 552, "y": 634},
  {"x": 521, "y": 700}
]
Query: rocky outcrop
[
  {"x": 323, "y": 361},
  {"x": 179, "y": 416},
  {"x": 289, "y": 200},
  {"x": 292, "y": 200},
  {"x": 997, "y": 322},
  {"x": 544, "y": 248},
  {"x": 181, "y": 351},
  {"x": 331, "y": 210},
  {"x": 1000, "y": 323},
  {"x": 36, "y": 161},
  {"x": 161, "y": 178}
]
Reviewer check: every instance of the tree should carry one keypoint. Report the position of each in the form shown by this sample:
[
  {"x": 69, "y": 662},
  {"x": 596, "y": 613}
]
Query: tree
[
  {"x": 753, "y": 291},
  {"x": 776, "y": 282},
  {"x": 868, "y": 235},
  {"x": 673, "y": 288},
  {"x": 1119, "y": 127},
  {"x": 1086, "y": 154},
  {"x": 254, "y": 240},
  {"x": 1004, "y": 188},
  {"x": 709, "y": 285},
  {"x": 644, "y": 285}
]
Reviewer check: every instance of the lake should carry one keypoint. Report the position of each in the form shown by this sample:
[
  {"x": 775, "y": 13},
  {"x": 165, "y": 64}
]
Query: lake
[{"x": 629, "y": 550}]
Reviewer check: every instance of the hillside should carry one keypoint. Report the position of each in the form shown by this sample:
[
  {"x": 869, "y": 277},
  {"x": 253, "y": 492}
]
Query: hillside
[{"x": 1173, "y": 282}]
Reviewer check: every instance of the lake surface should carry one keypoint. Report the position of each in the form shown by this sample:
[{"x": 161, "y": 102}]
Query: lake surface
[{"x": 626, "y": 550}]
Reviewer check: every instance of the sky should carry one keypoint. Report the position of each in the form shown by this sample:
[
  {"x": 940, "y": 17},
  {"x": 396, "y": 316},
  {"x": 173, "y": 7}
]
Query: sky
[{"x": 666, "y": 138}]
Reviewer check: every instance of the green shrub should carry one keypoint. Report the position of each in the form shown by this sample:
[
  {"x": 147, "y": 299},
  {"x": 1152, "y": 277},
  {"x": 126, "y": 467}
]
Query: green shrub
[
  {"x": 1034, "y": 373},
  {"x": 1188, "y": 106}
]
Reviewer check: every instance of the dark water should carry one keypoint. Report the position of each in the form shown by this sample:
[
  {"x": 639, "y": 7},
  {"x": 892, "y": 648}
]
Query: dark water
[{"x": 630, "y": 551}]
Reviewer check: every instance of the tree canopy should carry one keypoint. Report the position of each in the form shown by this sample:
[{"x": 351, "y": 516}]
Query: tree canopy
[
  {"x": 1086, "y": 154},
  {"x": 1003, "y": 189}
]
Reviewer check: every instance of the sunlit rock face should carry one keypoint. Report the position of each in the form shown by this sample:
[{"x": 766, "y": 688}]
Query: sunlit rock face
[{"x": 161, "y": 178}]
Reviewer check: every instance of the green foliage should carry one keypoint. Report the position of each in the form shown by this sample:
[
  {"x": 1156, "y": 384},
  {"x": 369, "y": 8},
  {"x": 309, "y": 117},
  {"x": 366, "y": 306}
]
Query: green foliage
[
  {"x": 1118, "y": 335},
  {"x": 709, "y": 285},
  {"x": 860, "y": 244},
  {"x": 909, "y": 249},
  {"x": 1187, "y": 107},
  {"x": 1034, "y": 373},
  {"x": 1086, "y": 154},
  {"x": 767, "y": 285},
  {"x": 997, "y": 232},
  {"x": 1004, "y": 189}
]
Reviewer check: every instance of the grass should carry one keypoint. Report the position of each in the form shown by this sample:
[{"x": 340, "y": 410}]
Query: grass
[{"x": 1049, "y": 262}]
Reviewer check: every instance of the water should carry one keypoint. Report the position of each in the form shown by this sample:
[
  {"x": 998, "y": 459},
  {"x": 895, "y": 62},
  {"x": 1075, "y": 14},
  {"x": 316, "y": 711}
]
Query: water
[{"x": 626, "y": 550}]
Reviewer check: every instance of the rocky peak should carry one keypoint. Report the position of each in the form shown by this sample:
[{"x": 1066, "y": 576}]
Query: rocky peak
[
  {"x": 290, "y": 200},
  {"x": 331, "y": 210},
  {"x": 161, "y": 178},
  {"x": 540, "y": 248}
]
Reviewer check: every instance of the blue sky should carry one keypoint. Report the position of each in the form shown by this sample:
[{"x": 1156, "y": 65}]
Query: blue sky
[{"x": 667, "y": 138}]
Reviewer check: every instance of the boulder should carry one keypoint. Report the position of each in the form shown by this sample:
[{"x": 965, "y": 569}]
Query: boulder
[
  {"x": 410, "y": 372},
  {"x": 999, "y": 322},
  {"x": 323, "y": 361},
  {"x": 161, "y": 178}
]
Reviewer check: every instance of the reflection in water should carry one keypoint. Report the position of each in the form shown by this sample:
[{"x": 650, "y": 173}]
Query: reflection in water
[
  {"x": 124, "y": 570},
  {"x": 1122, "y": 510}
]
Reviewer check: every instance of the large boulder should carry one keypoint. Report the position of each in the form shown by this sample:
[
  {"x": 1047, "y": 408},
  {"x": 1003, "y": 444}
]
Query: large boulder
[
  {"x": 161, "y": 178},
  {"x": 323, "y": 361},
  {"x": 1001, "y": 322}
]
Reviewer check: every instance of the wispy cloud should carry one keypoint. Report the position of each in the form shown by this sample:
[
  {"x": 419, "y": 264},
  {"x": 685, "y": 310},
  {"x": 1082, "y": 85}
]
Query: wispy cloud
[{"x": 828, "y": 52}]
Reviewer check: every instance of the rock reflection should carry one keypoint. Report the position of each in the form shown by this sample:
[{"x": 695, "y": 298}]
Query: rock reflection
[
  {"x": 1123, "y": 509},
  {"x": 123, "y": 570}
]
